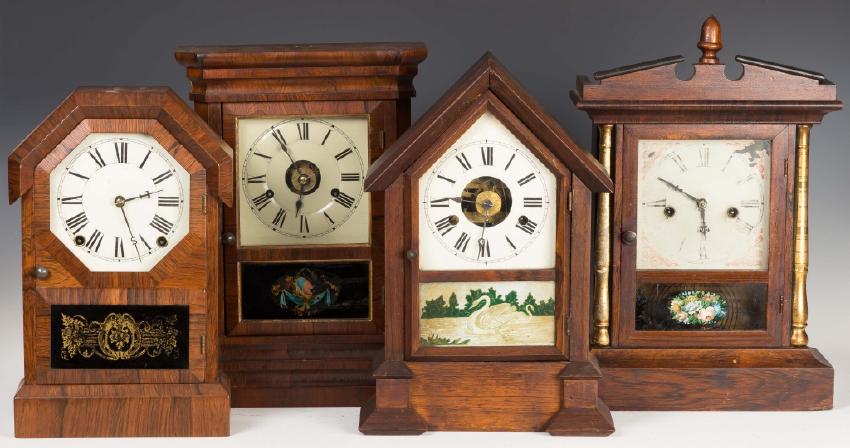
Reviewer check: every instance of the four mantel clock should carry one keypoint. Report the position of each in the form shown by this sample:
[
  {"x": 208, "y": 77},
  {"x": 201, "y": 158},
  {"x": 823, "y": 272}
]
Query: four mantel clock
[
  {"x": 487, "y": 229},
  {"x": 303, "y": 279},
  {"x": 709, "y": 228},
  {"x": 120, "y": 194}
]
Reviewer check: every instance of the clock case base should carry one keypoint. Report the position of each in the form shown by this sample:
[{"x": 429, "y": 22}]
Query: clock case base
[
  {"x": 123, "y": 410},
  {"x": 781, "y": 379}
]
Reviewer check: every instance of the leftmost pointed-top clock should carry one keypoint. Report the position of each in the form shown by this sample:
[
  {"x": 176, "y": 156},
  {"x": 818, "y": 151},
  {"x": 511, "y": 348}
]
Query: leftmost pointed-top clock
[{"x": 121, "y": 191}]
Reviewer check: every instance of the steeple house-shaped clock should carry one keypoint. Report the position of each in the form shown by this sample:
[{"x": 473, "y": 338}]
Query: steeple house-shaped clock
[
  {"x": 121, "y": 192},
  {"x": 487, "y": 221},
  {"x": 303, "y": 278},
  {"x": 706, "y": 235}
]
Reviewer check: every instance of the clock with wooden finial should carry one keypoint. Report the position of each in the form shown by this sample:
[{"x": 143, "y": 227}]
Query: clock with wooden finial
[
  {"x": 706, "y": 236},
  {"x": 487, "y": 253},
  {"x": 121, "y": 192}
]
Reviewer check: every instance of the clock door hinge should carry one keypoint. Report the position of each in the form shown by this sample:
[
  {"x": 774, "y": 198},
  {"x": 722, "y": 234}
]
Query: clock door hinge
[
  {"x": 203, "y": 345},
  {"x": 382, "y": 140},
  {"x": 569, "y": 325},
  {"x": 781, "y": 304},
  {"x": 785, "y": 170},
  {"x": 204, "y": 203},
  {"x": 570, "y": 201}
]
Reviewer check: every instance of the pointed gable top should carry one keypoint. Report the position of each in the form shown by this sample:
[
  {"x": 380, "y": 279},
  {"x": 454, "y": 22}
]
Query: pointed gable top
[{"x": 486, "y": 75}]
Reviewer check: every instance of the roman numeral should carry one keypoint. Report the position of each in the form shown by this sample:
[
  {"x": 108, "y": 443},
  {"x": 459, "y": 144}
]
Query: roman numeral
[
  {"x": 94, "y": 240},
  {"x": 145, "y": 242},
  {"x": 678, "y": 161},
  {"x": 751, "y": 203},
  {"x": 77, "y": 222},
  {"x": 483, "y": 248},
  {"x": 303, "y": 131},
  {"x": 703, "y": 158},
  {"x": 279, "y": 218},
  {"x": 747, "y": 227},
  {"x": 510, "y": 242},
  {"x": 445, "y": 225},
  {"x": 326, "y": 137},
  {"x": 526, "y": 179},
  {"x": 121, "y": 152},
  {"x": 344, "y": 199},
  {"x": 330, "y": 220},
  {"x": 98, "y": 159},
  {"x": 703, "y": 253},
  {"x": 305, "y": 225},
  {"x": 169, "y": 201},
  {"x": 464, "y": 162},
  {"x": 487, "y": 155},
  {"x": 446, "y": 179},
  {"x": 746, "y": 179},
  {"x": 350, "y": 177},
  {"x": 343, "y": 154},
  {"x": 78, "y": 175},
  {"x": 510, "y": 161},
  {"x": 161, "y": 224},
  {"x": 280, "y": 141},
  {"x": 532, "y": 202},
  {"x": 145, "y": 160},
  {"x": 444, "y": 202},
  {"x": 257, "y": 179},
  {"x": 462, "y": 242},
  {"x": 528, "y": 226},
  {"x": 162, "y": 177},
  {"x": 263, "y": 199},
  {"x": 119, "y": 247},
  {"x": 72, "y": 200},
  {"x": 658, "y": 203}
]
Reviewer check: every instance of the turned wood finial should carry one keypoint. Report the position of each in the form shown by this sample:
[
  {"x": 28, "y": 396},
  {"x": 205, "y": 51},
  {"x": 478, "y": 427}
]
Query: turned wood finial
[{"x": 709, "y": 41}]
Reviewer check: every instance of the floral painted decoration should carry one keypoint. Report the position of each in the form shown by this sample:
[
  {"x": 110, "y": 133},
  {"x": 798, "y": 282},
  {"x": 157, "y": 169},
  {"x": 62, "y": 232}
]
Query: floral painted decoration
[{"x": 697, "y": 308}]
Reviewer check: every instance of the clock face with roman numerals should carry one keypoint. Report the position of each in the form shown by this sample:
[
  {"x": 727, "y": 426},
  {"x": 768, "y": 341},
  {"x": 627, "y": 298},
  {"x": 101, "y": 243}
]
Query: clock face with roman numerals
[
  {"x": 301, "y": 180},
  {"x": 119, "y": 202},
  {"x": 486, "y": 203}
]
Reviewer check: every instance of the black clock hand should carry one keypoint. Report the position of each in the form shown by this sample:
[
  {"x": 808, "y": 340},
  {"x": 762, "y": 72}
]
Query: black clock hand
[
  {"x": 132, "y": 237},
  {"x": 145, "y": 195},
  {"x": 679, "y": 189},
  {"x": 460, "y": 199},
  {"x": 483, "y": 229},
  {"x": 300, "y": 202},
  {"x": 703, "y": 228}
]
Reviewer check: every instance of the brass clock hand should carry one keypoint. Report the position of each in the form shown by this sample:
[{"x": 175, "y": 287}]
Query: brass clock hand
[{"x": 679, "y": 189}]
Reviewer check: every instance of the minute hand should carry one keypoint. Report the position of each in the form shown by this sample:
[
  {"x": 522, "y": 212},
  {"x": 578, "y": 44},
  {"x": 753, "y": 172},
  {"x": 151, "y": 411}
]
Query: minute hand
[{"x": 679, "y": 189}]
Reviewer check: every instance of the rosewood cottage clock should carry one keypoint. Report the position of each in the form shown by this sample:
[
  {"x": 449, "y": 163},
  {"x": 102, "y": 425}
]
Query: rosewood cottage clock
[
  {"x": 120, "y": 194},
  {"x": 706, "y": 235},
  {"x": 303, "y": 271},
  {"x": 487, "y": 221}
]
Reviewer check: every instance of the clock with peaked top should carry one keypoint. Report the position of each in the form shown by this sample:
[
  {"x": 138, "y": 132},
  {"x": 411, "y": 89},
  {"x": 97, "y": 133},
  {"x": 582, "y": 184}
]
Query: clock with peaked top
[
  {"x": 488, "y": 283},
  {"x": 707, "y": 235},
  {"x": 121, "y": 192},
  {"x": 303, "y": 274}
]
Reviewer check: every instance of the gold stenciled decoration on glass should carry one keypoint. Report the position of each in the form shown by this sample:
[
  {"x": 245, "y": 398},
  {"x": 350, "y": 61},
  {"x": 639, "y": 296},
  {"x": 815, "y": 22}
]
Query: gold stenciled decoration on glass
[{"x": 119, "y": 337}]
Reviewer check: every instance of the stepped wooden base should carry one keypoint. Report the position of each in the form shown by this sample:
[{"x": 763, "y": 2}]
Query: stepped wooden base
[
  {"x": 786, "y": 379},
  {"x": 300, "y": 371},
  {"x": 557, "y": 397},
  {"x": 123, "y": 410}
]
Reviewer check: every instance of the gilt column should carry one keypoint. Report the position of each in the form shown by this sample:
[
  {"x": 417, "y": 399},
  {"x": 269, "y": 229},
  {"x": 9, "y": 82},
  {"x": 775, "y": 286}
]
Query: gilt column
[
  {"x": 799, "y": 306},
  {"x": 602, "y": 309}
]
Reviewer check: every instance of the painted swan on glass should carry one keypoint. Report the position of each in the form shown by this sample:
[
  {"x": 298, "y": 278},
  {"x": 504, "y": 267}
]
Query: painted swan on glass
[{"x": 493, "y": 319}]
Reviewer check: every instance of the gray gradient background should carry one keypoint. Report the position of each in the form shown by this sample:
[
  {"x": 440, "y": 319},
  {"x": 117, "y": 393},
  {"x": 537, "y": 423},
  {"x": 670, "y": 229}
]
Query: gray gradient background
[{"x": 48, "y": 48}]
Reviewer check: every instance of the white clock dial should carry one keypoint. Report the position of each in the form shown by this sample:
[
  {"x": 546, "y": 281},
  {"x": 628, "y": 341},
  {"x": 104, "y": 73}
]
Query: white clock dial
[
  {"x": 486, "y": 203},
  {"x": 302, "y": 179},
  {"x": 703, "y": 204},
  {"x": 120, "y": 202}
]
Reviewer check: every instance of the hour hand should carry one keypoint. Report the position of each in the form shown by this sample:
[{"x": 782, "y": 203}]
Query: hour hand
[{"x": 679, "y": 189}]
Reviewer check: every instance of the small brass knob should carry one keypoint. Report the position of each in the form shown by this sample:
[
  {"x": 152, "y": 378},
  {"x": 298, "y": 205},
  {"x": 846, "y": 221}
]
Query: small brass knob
[
  {"x": 41, "y": 272},
  {"x": 228, "y": 238},
  {"x": 411, "y": 255},
  {"x": 628, "y": 237}
]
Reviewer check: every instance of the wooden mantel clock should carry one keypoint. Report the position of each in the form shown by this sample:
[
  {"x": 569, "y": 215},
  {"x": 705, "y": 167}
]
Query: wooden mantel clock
[
  {"x": 121, "y": 192},
  {"x": 707, "y": 234},
  {"x": 303, "y": 273},
  {"x": 487, "y": 221}
]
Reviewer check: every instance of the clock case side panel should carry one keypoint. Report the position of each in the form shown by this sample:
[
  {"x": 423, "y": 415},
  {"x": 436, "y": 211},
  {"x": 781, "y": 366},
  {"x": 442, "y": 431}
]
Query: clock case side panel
[{"x": 778, "y": 288}]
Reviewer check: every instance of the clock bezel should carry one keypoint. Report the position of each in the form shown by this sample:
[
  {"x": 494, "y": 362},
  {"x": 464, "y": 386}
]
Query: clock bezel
[
  {"x": 624, "y": 298},
  {"x": 559, "y": 274}
]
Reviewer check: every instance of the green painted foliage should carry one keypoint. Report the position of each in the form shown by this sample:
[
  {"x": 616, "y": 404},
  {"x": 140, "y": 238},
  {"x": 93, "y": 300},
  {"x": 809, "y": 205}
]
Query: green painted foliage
[
  {"x": 434, "y": 339},
  {"x": 438, "y": 307}
]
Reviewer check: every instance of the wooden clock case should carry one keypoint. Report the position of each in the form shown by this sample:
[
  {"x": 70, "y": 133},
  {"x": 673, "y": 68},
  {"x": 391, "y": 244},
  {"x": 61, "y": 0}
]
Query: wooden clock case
[
  {"x": 287, "y": 362},
  {"x": 753, "y": 369},
  {"x": 489, "y": 388},
  {"x": 89, "y": 402}
]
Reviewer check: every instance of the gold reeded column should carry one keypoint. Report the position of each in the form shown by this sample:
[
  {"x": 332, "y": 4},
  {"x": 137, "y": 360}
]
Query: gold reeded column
[
  {"x": 800, "y": 307},
  {"x": 602, "y": 310}
]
